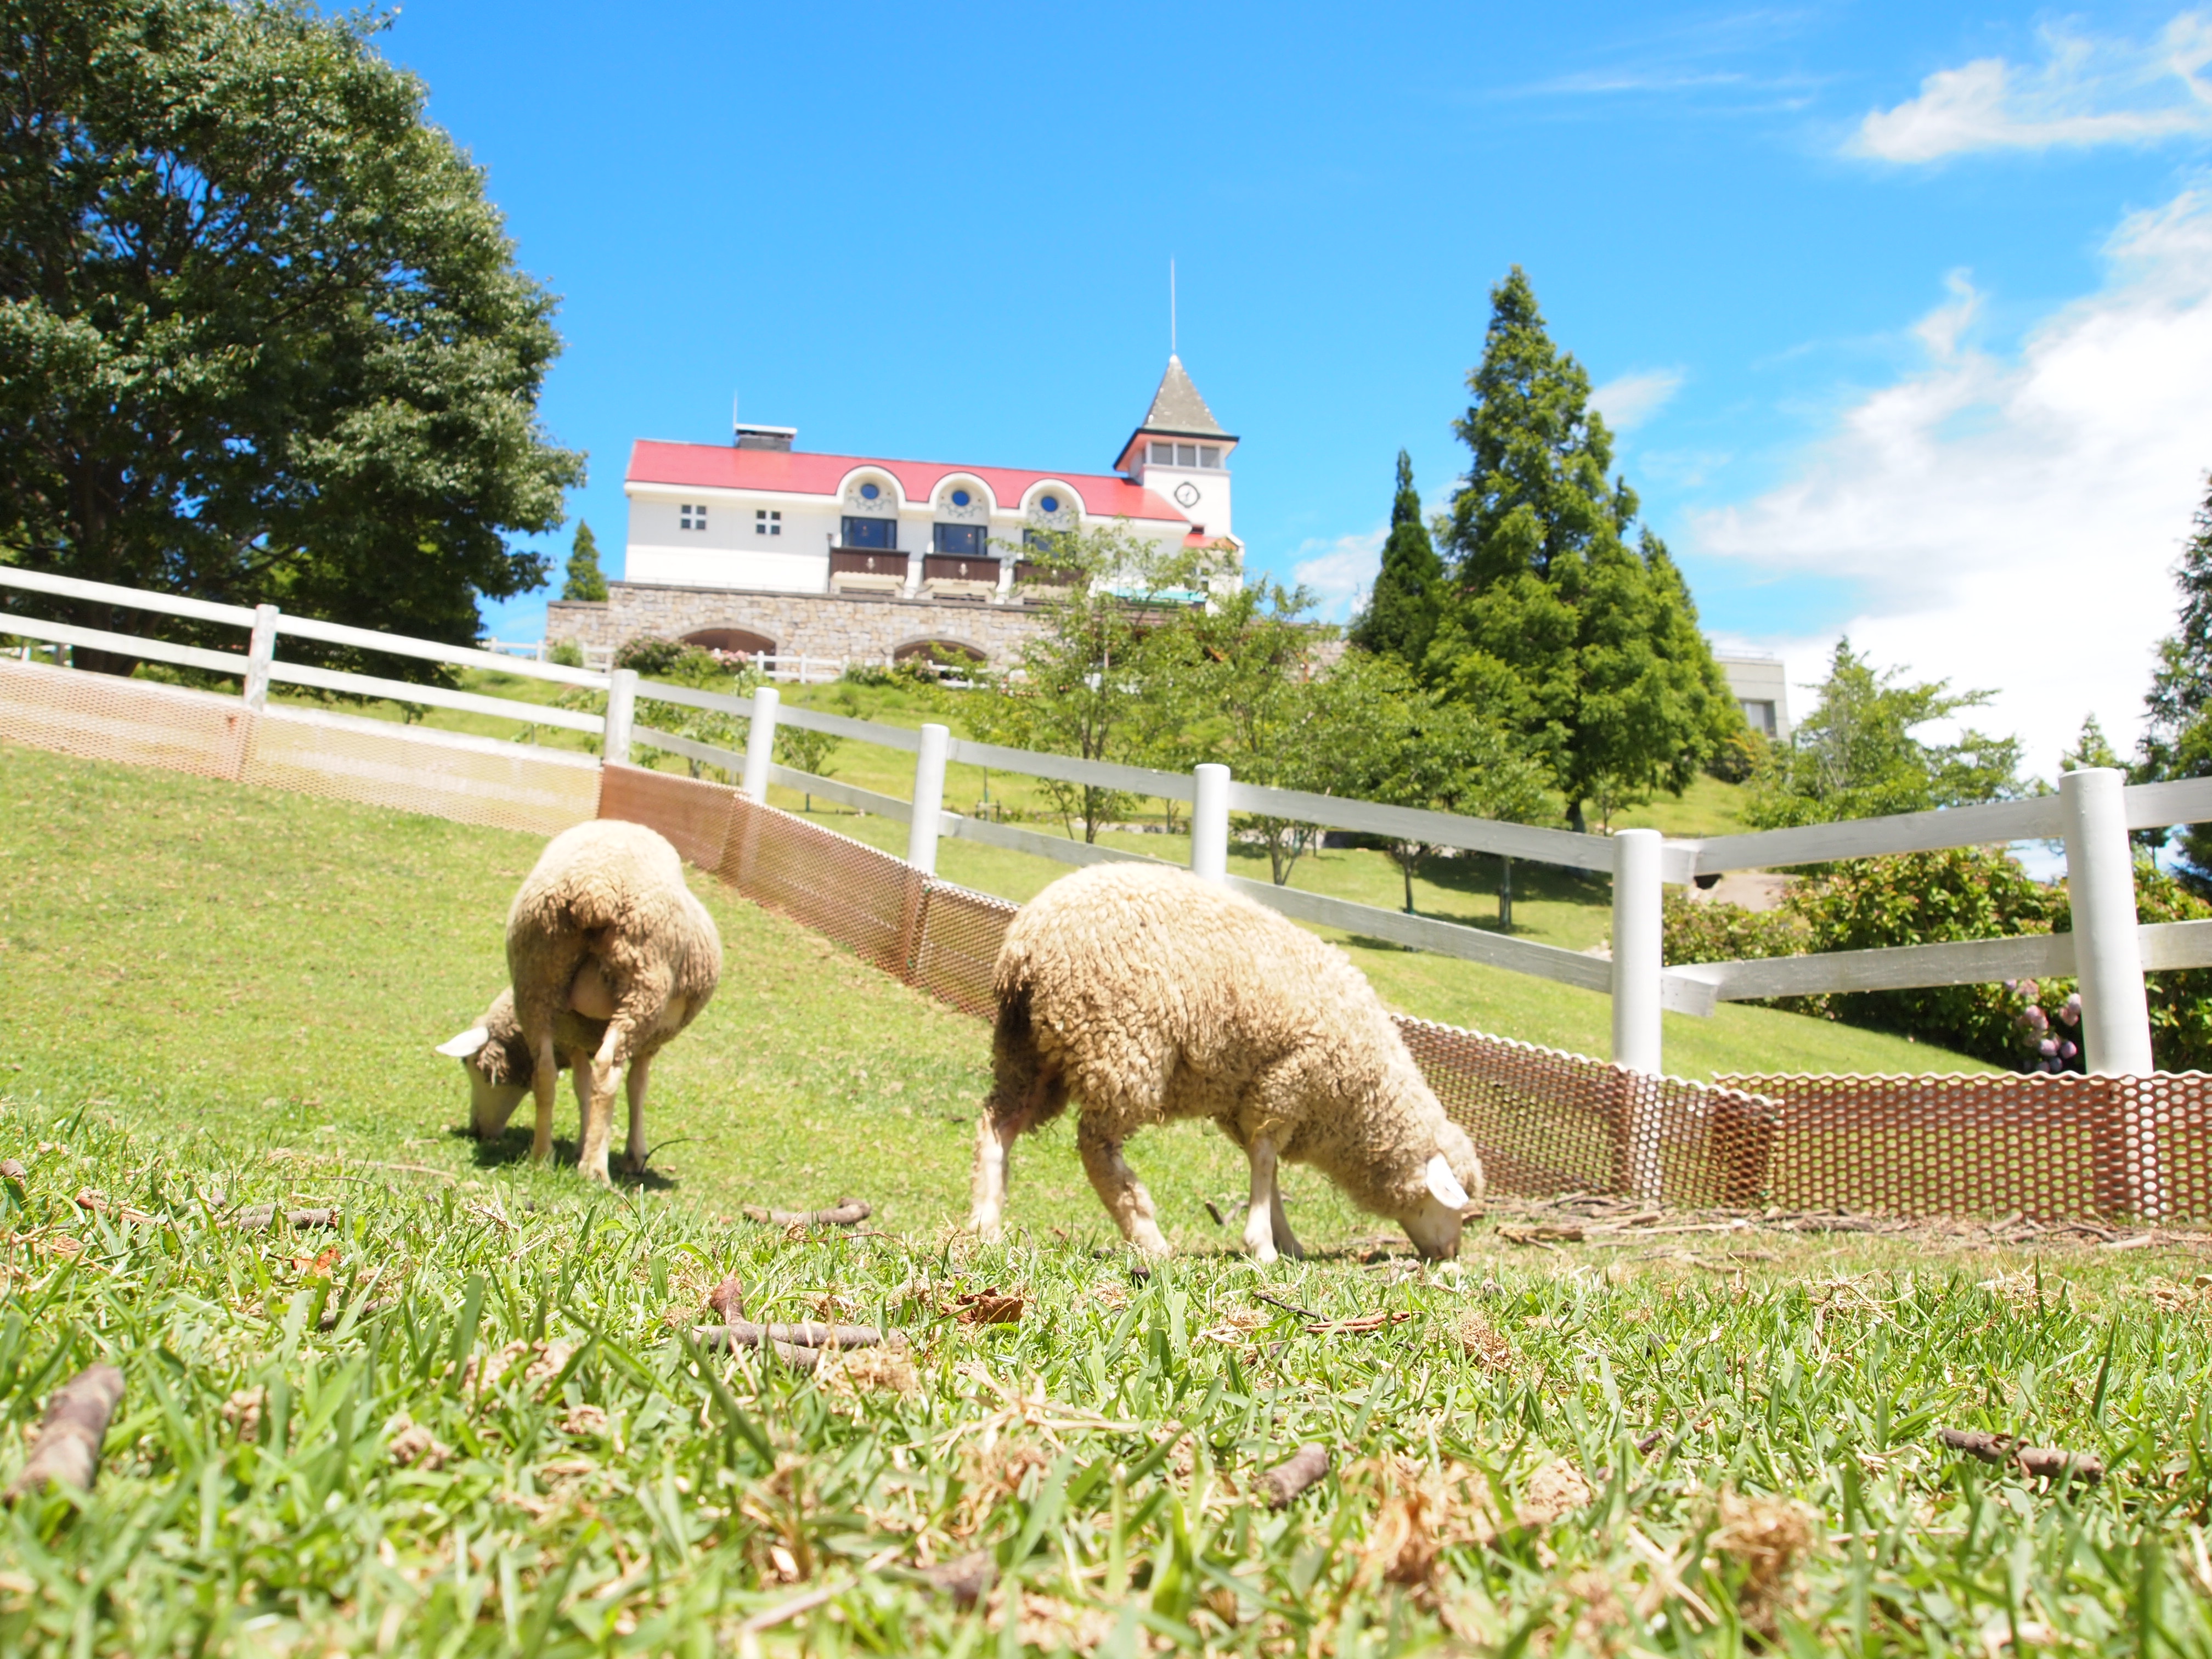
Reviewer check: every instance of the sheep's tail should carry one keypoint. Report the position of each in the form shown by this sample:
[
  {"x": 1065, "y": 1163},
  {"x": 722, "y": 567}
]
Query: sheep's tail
[{"x": 1026, "y": 1089}]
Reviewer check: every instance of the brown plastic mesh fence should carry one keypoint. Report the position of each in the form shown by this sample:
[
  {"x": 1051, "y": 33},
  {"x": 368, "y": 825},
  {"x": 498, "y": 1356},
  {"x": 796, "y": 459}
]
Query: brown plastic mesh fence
[
  {"x": 2050, "y": 1147},
  {"x": 448, "y": 775},
  {"x": 138, "y": 722}
]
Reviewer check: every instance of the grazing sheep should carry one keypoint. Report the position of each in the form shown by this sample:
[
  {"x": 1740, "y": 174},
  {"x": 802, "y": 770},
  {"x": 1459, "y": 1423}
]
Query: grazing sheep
[
  {"x": 609, "y": 956},
  {"x": 1148, "y": 995}
]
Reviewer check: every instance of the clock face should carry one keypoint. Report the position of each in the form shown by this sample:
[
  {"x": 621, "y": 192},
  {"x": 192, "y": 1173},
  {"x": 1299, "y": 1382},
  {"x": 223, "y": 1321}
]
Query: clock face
[{"x": 1186, "y": 494}]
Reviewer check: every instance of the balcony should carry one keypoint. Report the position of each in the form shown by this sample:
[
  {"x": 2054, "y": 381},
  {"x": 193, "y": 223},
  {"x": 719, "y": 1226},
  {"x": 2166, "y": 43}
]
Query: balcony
[
  {"x": 867, "y": 570},
  {"x": 959, "y": 576},
  {"x": 1036, "y": 580}
]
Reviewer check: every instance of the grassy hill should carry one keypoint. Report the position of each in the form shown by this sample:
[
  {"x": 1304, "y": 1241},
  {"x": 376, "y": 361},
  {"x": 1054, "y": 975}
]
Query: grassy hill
[{"x": 461, "y": 1421}]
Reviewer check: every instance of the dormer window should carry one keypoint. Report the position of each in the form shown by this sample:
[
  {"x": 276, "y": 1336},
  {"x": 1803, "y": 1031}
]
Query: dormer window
[
  {"x": 964, "y": 539},
  {"x": 1204, "y": 455},
  {"x": 691, "y": 518}
]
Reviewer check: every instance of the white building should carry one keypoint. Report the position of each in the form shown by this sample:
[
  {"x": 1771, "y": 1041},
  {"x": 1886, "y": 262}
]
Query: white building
[
  {"x": 1761, "y": 690},
  {"x": 761, "y": 516}
]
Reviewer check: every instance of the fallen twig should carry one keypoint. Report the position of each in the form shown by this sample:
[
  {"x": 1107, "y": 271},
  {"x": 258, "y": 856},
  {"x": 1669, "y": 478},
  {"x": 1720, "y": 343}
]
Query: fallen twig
[
  {"x": 1544, "y": 1233},
  {"x": 2037, "y": 1462},
  {"x": 99, "y": 1203},
  {"x": 988, "y": 1307},
  {"x": 1287, "y": 1307},
  {"x": 741, "y": 1333},
  {"x": 847, "y": 1213},
  {"x": 1374, "y": 1321},
  {"x": 259, "y": 1217},
  {"x": 769, "y": 1618},
  {"x": 1279, "y": 1484},
  {"x": 70, "y": 1435}
]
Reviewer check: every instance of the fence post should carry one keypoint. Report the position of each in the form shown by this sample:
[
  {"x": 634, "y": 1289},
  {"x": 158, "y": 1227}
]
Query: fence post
[
  {"x": 1637, "y": 959},
  {"x": 928, "y": 799},
  {"x": 1209, "y": 824},
  {"x": 2100, "y": 881},
  {"x": 260, "y": 651},
  {"x": 760, "y": 742},
  {"x": 621, "y": 714}
]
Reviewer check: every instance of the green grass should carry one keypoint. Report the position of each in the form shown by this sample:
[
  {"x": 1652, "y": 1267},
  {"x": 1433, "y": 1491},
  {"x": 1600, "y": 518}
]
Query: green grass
[{"x": 217, "y": 996}]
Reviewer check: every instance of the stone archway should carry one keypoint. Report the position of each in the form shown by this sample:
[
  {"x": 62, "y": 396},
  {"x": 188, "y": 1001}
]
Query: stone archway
[
  {"x": 945, "y": 651},
  {"x": 732, "y": 642}
]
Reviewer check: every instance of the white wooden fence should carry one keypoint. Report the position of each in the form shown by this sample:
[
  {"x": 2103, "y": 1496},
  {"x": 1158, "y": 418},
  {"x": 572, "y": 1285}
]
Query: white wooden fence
[{"x": 2091, "y": 813}]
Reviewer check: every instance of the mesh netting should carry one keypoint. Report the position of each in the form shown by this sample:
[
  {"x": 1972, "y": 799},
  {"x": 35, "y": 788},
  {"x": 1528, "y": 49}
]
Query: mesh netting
[
  {"x": 1548, "y": 1122},
  {"x": 138, "y": 722},
  {"x": 447, "y": 774},
  {"x": 2050, "y": 1147}
]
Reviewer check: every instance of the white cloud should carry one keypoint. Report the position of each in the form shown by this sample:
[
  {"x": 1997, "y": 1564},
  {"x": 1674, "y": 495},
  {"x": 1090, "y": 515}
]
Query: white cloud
[
  {"x": 1339, "y": 572},
  {"x": 2086, "y": 92},
  {"x": 1628, "y": 400},
  {"x": 2011, "y": 522}
]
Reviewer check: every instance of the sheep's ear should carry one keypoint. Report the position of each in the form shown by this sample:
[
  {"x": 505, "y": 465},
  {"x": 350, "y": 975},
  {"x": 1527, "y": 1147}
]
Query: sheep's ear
[
  {"x": 467, "y": 1043},
  {"x": 1445, "y": 1185}
]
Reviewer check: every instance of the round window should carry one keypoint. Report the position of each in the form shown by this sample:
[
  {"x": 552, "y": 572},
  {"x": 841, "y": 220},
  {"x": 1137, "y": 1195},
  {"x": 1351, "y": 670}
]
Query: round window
[
  {"x": 869, "y": 492},
  {"x": 1050, "y": 503},
  {"x": 960, "y": 498}
]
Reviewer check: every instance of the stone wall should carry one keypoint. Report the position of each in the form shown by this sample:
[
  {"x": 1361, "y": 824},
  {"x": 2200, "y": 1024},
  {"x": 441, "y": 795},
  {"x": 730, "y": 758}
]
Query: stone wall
[{"x": 846, "y": 627}]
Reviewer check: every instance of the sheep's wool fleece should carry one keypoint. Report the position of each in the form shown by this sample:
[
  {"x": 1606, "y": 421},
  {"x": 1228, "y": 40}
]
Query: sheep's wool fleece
[
  {"x": 1157, "y": 995},
  {"x": 614, "y": 891}
]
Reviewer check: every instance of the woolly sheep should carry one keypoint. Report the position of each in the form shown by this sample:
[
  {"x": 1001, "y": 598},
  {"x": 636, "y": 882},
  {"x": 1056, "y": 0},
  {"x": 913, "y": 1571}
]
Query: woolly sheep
[
  {"x": 1149, "y": 995},
  {"x": 609, "y": 956}
]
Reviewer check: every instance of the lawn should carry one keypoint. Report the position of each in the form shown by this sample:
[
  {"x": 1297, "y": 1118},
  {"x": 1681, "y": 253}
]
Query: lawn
[{"x": 348, "y": 1439}]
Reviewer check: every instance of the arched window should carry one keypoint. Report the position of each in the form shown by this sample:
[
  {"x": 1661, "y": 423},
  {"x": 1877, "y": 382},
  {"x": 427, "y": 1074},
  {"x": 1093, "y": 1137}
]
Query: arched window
[{"x": 732, "y": 642}]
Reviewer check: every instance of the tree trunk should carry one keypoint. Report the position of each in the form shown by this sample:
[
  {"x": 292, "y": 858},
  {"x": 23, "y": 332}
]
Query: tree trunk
[
  {"x": 1576, "y": 821},
  {"x": 1406, "y": 869},
  {"x": 1505, "y": 895}
]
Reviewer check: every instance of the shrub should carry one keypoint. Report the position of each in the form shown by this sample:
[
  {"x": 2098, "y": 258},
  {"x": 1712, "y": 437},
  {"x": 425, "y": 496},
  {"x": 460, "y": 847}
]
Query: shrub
[
  {"x": 2181, "y": 1000},
  {"x": 650, "y": 655},
  {"x": 1739, "y": 757},
  {"x": 1728, "y": 932},
  {"x": 567, "y": 652}
]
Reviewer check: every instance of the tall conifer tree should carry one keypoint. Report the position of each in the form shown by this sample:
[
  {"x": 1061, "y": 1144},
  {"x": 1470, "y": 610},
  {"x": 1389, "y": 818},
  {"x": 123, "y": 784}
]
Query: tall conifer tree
[
  {"x": 1401, "y": 612},
  {"x": 586, "y": 580},
  {"x": 1552, "y": 621}
]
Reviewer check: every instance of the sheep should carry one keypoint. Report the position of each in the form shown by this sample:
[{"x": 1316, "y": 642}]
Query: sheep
[
  {"x": 609, "y": 957},
  {"x": 1147, "y": 995}
]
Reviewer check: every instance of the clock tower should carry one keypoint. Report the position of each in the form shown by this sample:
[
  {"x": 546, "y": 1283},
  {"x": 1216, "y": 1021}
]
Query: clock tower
[{"x": 1181, "y": 454}]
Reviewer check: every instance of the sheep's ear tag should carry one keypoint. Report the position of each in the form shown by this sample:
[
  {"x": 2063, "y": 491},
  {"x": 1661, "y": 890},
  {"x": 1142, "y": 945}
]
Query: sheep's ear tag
[
  {"x": 1445, "y": 1185},
  {"x": 469, "y": 1042}
]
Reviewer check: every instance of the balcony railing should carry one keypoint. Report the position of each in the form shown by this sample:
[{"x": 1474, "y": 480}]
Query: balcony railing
[
  {"x": 960, "y": 568},
  {"x": 866, "y": 561}
]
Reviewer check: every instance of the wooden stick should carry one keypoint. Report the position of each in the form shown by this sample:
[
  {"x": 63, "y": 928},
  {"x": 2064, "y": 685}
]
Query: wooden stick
[
  {"x": 848, "y": 1212},
  {"x": 743, "y": 1334},
  {"x": 67, "y": 1447},
  {"x": 2037, "y": 1462},
  {"x": 1279, "y": 1484}
]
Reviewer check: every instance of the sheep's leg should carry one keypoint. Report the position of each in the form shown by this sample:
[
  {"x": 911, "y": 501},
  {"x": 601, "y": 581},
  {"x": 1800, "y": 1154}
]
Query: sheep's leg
[
  {"x": 1119, "y": 1191},
  {"x": 986, "y": 1187},
  {"x": 633, "y": 1086},
  {"x": 606, "y": 1065},
  {"x": 1266, "y": 1201},
  {"x": 1286, "y": 1240},
  {"x": 545, "y": 1083}
]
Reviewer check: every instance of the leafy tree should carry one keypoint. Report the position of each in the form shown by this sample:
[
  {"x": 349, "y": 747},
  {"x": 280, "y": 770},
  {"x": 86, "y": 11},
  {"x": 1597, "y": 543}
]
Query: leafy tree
[
  {"x": 1561, "y": 629},
  {"x": 584, "y": 580},
  {"x": 1401, "y": 617},
  {"x": 1086, "y": 679},
  {"x": 1389, "y": 739},
  {"x": 1855, "y": 756},
  {"x": 2178, "y": 743},
  {"x": 261, "y": 336}
]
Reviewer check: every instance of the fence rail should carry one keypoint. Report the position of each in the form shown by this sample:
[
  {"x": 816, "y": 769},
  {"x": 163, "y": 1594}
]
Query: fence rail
[{"x": 2091, "y": 813}]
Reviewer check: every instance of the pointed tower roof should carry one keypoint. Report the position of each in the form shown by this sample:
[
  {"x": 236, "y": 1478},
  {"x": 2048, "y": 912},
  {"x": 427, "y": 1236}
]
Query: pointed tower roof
[{"x": 1177, "y": 411}]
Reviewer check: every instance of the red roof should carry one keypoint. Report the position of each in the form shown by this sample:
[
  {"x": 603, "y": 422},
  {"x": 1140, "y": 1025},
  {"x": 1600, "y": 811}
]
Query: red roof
[{"x": 800, "y": 472}]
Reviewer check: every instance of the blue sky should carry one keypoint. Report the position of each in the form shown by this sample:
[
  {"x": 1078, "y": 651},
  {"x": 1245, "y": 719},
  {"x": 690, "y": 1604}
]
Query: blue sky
[{"x": 1906, "y": 311}]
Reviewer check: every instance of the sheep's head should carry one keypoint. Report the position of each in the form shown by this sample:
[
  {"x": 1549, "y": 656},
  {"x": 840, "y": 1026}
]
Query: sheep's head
[
  {"x": 1446, "y": 1189},
  {"x": 497, "y": 1062}
]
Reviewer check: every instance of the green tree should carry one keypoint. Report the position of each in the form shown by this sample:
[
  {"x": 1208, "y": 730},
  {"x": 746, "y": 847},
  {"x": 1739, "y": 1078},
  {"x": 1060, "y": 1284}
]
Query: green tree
[
  {"x": 1559, "y": 627},
  {"x": 1855, "y": 756},
  {"x": 1086, "y": 679},
  {"x": 261, "y": 336},
  {"x": 1389, "y": 738},
  {"x": 2177, "y": 742},
  {"x": 584, "y": 580},
  {"x": 1401, "y": 617}
]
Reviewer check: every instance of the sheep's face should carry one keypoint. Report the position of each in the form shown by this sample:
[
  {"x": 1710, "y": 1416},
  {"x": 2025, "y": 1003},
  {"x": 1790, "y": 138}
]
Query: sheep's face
[
  {"x": 498, "y": 1068},
  {"x": 1450, "y": 1182}
]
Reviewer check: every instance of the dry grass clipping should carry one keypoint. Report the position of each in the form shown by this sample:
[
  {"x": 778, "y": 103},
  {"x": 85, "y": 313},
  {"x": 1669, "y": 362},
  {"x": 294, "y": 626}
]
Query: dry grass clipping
[
  {"x": 1420, "y": 1511},
  {"x": 863, "y": 1370},
  {"x": 1484, "y": 1342},
  {"x": 1766, "y": 1537}
]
